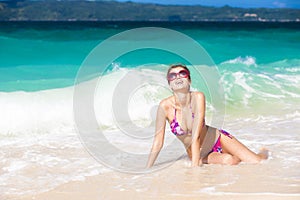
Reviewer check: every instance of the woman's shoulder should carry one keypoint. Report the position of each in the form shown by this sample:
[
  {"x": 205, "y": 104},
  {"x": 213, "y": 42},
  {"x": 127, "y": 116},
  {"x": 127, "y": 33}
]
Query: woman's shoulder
[
  {"x": 198, "y": 98},
  {"x": 198, "y": 94},
  {"x": 166, "y": 102}
]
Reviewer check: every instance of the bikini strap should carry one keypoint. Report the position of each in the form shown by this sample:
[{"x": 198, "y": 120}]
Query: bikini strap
[
  {"x": 191, "y": 100},
  {"x": 193, "y": 114},
  {"x": 175, "y": 114}
]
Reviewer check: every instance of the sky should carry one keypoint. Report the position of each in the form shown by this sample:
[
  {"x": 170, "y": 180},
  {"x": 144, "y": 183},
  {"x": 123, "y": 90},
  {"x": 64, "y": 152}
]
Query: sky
[{"x": 233, "y": 3}]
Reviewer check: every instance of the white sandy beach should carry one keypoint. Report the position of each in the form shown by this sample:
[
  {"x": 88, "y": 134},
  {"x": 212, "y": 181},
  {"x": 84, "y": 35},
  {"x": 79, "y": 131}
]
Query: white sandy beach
[{"x": 177, "y": 182}]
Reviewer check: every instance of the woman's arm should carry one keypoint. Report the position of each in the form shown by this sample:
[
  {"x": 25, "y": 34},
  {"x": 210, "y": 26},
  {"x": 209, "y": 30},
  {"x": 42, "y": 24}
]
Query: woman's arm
[
  {"x": 159, "y": 134},
  {"x": 199, "y": 106}
]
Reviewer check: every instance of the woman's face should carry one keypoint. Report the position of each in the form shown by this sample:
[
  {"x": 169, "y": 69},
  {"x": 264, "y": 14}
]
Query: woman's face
[{"x": 178, "y": 79}]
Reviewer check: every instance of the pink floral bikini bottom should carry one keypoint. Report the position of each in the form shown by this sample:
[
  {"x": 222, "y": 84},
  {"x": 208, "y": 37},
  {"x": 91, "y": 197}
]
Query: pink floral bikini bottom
[{"x": 218, "y": 147}]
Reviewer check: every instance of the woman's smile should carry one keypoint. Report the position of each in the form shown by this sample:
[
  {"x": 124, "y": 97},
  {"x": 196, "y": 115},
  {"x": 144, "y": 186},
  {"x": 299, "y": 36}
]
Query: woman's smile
[{"x": 178, "y": 82}]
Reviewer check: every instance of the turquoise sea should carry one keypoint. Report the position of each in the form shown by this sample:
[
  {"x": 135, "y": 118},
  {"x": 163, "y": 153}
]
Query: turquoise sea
[
  {"x": 38, "y": 56},
  {"x": 259, "y": 70}
]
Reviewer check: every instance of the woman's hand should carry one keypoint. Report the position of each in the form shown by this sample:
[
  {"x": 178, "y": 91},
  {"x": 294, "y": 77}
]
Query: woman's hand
[
  {"x": 199, "y": 164},
  {"x": 195, "y": 165}
]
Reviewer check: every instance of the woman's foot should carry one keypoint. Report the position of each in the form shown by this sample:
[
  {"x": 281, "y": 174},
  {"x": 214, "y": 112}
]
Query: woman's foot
[{"x": 264, "y": 153}]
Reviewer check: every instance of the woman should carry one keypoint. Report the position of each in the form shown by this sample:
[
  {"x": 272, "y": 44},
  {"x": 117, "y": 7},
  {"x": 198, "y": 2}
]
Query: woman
[{"x": 185, "y": 112}]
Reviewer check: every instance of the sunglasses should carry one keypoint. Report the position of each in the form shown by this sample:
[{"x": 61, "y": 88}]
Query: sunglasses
[{"x": 182, "y": 74}]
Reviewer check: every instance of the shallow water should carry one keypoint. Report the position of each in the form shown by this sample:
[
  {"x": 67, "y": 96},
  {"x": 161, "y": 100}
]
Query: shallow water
[{"x": 48, "y": 149}]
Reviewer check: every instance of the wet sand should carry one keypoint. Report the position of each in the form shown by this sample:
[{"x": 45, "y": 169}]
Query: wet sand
[{"x": 180, "y": 182}]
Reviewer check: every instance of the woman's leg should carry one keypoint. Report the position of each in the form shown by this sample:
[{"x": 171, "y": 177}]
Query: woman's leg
[
  {"x": 221, "y": 158},
  {"x": 232, "y": 146}
]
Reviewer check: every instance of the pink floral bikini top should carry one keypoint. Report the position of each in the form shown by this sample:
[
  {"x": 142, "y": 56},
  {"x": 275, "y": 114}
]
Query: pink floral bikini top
[{"x": 175, "y": 127}]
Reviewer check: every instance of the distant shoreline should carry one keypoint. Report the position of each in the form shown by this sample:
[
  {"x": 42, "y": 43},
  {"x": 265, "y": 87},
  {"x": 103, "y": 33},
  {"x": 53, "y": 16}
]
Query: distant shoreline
[{"x": 25, "y": 10}]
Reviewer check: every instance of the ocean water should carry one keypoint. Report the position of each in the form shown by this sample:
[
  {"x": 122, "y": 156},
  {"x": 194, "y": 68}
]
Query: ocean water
[{"x": 258, "y": 67}]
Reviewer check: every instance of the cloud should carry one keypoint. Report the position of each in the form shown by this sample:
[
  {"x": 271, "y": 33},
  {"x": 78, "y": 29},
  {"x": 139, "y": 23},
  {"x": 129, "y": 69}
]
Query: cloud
[{"x": 279, "y": 4}]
